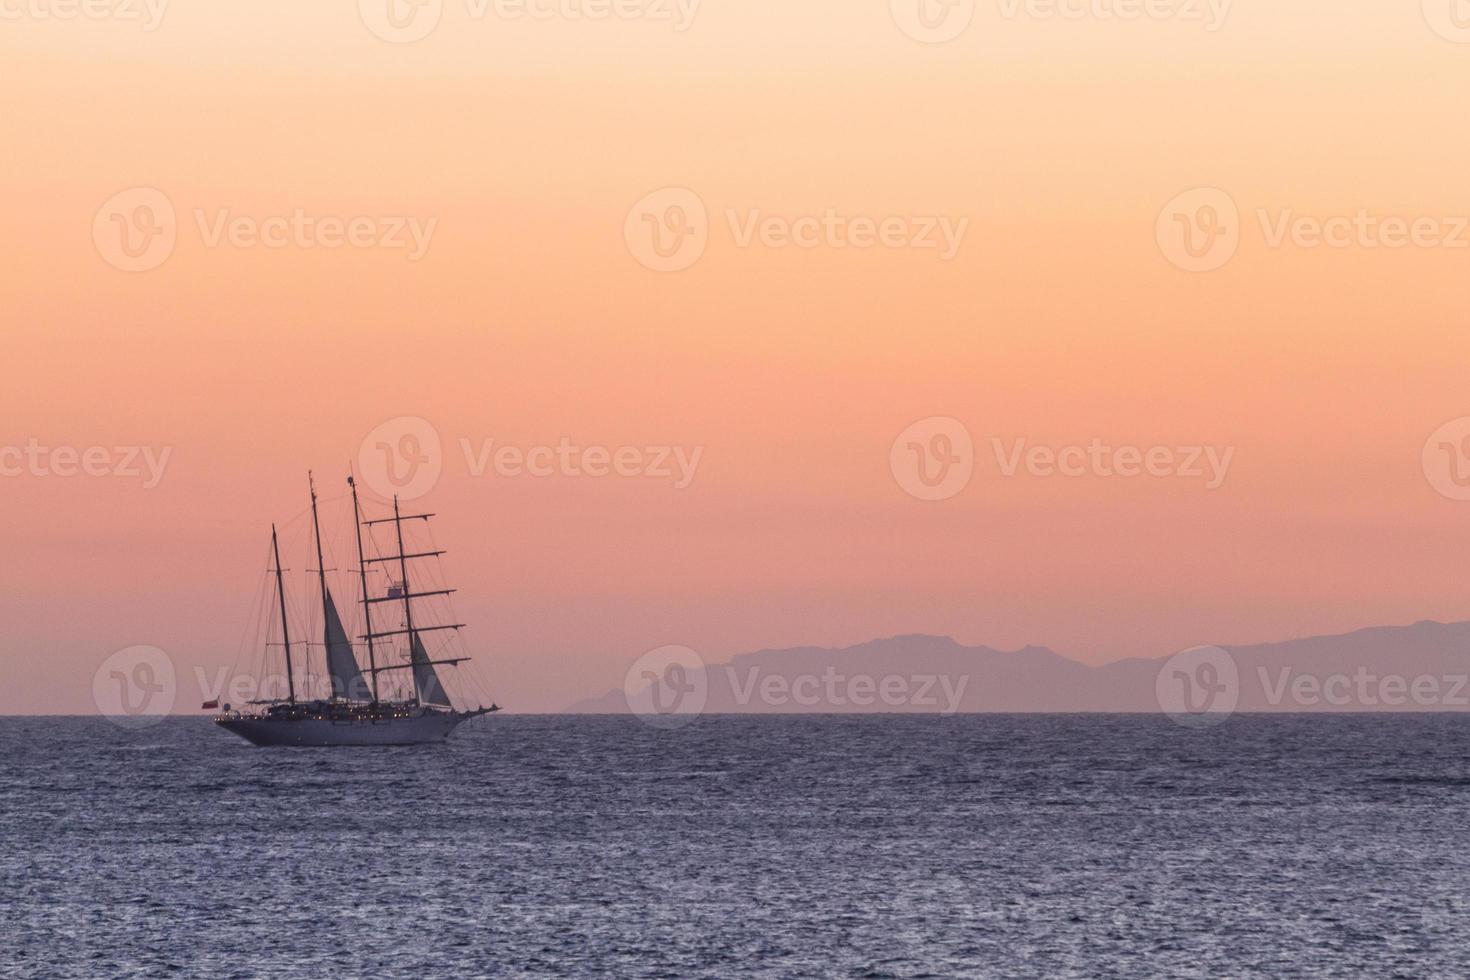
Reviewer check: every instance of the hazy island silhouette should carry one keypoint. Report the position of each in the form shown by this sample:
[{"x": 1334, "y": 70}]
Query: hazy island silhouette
[{"x": 1420, "y": 667}]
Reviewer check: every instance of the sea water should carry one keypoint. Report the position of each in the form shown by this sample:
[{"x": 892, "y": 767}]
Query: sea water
[{"x": 870, "y": 846}]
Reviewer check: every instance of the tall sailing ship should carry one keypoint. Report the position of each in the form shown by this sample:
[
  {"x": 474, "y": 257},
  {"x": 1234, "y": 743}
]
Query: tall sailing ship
[{"x": 354, "y": 713}]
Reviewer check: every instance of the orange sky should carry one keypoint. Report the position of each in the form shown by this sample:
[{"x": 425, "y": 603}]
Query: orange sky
[{"x": 528, "y": 319}]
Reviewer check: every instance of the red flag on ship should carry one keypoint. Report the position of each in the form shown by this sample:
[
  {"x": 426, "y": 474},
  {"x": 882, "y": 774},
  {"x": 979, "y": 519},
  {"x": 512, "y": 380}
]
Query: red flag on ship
[{"x": 210, "y": 704}]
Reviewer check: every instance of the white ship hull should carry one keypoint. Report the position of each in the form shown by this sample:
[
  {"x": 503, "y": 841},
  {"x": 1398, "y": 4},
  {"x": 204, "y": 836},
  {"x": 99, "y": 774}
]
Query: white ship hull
[{"x": 410, "y": 729}]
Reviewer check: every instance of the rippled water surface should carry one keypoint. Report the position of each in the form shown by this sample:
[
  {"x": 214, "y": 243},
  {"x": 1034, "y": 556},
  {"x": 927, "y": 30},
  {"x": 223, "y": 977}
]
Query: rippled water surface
[{"x": 1061, "y": 846}]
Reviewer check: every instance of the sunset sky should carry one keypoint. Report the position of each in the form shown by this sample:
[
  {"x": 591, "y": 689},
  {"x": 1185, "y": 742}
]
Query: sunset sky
[{"x": 519, "y": 147}]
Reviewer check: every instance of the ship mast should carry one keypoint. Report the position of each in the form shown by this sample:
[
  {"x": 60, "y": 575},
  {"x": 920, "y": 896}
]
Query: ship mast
[
  {"x": 367, "y": 607},
  {"x": 285, "y": 629},
  {"x": 403, "y": 592},
  {"x": 403, "y": 587},
  {"x": 321, "y": 572}
]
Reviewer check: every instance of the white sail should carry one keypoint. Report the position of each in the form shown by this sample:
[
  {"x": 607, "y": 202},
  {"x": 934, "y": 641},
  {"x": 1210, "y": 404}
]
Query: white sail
[
  {"x": 425, "y": 678},
  {"x": 347, "y": 681}
]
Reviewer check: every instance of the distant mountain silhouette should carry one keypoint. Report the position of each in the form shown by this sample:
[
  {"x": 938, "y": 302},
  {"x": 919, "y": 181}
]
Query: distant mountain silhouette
[{"x": 1425, "y": 666}]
